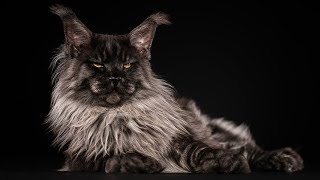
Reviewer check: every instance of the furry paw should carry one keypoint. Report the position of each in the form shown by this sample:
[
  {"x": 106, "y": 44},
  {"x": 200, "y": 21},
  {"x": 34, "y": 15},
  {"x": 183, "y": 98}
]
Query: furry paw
[
  {"x": 132, "y": 163},
  {"x": 137, "y": 163},
  {"x": 113, "y": 165},
  {"x": 224, "y": 161},
  {"x": 284, "y": 159},
  {"x": 233, "y": 162}
]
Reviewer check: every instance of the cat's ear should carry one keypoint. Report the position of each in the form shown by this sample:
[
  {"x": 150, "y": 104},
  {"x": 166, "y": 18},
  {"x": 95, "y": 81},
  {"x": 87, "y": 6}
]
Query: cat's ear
[
  {"x": 141, "y": 37},
  {"x": 77, "y": 35}
]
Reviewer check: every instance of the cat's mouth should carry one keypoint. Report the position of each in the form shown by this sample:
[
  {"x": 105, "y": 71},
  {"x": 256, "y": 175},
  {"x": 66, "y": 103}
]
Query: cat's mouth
[{"x": 112, "y": 95}]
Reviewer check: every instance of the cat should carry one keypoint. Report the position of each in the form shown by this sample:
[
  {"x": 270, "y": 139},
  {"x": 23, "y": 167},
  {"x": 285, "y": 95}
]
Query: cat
[{"x": 110, "y": 112}]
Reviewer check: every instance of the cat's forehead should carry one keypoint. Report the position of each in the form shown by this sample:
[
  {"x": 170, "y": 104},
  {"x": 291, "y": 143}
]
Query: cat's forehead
[{"x": 112, "y": 47}]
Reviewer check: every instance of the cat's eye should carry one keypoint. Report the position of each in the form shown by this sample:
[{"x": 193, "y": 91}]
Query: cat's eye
[
  {"x": 126, "y": 65},
  {"x": 97, "y": 65}
]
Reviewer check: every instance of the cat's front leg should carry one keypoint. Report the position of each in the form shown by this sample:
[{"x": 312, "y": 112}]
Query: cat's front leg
[
  {"x": 132, "y": 163},
  {"x": 200, "y": 158}
]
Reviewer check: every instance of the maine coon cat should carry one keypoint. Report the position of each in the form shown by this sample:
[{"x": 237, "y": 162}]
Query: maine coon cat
[{"x": 111, "y": 113}]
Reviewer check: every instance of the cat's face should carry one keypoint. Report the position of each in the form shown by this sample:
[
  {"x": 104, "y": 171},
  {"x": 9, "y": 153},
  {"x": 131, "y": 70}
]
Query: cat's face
[
  {"x": 106, "y": 69},
  {"x": 110, "y": 70}
]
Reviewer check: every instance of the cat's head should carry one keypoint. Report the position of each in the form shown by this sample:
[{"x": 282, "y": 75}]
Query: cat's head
[{"x": 101, "y": 68}]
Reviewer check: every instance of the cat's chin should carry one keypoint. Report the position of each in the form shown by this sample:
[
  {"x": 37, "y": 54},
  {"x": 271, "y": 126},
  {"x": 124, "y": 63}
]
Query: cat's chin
[{"x": 113, "y": 98}]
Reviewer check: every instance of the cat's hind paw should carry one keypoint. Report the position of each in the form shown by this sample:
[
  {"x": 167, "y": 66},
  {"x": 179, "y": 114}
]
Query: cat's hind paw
[{"x": 285, "y": 159}]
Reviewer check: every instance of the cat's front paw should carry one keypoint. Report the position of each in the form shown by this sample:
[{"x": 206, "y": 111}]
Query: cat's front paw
[
  {"x": 137, "y": 163},
  {"x": 231, "y": 162},
  {"x": 286, "y": 160},
  {"x": 113, "y": 164},
  {"x": 132, "y": 163}
]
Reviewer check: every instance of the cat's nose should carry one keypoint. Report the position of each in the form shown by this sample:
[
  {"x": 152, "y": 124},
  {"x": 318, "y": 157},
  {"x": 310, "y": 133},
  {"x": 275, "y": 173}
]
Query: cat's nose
[{"x": 115, "y": 80}]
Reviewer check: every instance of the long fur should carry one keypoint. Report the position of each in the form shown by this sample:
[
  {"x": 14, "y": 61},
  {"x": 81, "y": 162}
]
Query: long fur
[
  {"x": 150, "y": 121},
  {"x": 146, "y": 125}
]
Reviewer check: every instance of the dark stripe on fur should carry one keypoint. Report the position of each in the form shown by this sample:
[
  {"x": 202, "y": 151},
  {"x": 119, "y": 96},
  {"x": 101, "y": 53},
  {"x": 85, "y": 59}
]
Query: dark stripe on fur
[{"x": 200, "y": 158}]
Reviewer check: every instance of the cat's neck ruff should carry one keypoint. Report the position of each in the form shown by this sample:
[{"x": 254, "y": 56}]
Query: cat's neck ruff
[{"x": 145, "y": 125}]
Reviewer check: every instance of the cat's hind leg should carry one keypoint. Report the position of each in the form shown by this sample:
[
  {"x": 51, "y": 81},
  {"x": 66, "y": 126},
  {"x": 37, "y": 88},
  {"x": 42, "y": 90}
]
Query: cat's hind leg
[
  {"x": 216, "y": 132},
  {"x": 233, "y": 137},
  {"x": 220, "y": 132},
  {"x": 198, "y": 157}
]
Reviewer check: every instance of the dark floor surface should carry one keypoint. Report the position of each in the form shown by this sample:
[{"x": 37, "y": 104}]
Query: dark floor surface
[{"x": 45, "y": 170}]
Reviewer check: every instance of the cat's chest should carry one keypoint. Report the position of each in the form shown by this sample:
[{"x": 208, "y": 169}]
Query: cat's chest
[
  {"x": 117, "y": 131},
  {"x": 121, "y": 132},
  {"x": 124, "y": 128},
  {"x": 118, "y": 127},
  {"x": 103, "y": 131}
]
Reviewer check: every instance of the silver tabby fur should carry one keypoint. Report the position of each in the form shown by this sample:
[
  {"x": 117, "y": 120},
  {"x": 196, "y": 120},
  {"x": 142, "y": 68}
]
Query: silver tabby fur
[{"x": 152, "y": 115}]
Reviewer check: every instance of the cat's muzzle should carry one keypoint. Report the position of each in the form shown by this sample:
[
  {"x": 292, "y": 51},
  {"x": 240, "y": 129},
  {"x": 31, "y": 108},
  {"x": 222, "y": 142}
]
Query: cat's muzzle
[{"x": 115, "y": 80}]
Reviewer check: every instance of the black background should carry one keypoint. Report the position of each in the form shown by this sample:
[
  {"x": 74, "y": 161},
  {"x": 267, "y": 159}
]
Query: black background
[{"x": 252, "y": 63}]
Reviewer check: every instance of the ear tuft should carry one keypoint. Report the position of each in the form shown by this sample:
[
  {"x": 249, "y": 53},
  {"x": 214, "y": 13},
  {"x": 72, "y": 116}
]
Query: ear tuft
[
  {"x": 77, "y": 35},
  {"x": 160, "y": 18},
  {"x": 61, "y": 11},
  {"x": 141, "y": 37}
]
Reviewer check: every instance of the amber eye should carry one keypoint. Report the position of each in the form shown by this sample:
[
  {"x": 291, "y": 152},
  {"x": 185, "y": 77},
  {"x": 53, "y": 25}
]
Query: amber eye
[
  {"x": 126, "y": 65},
  {"x": 97, "y": 65}
]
